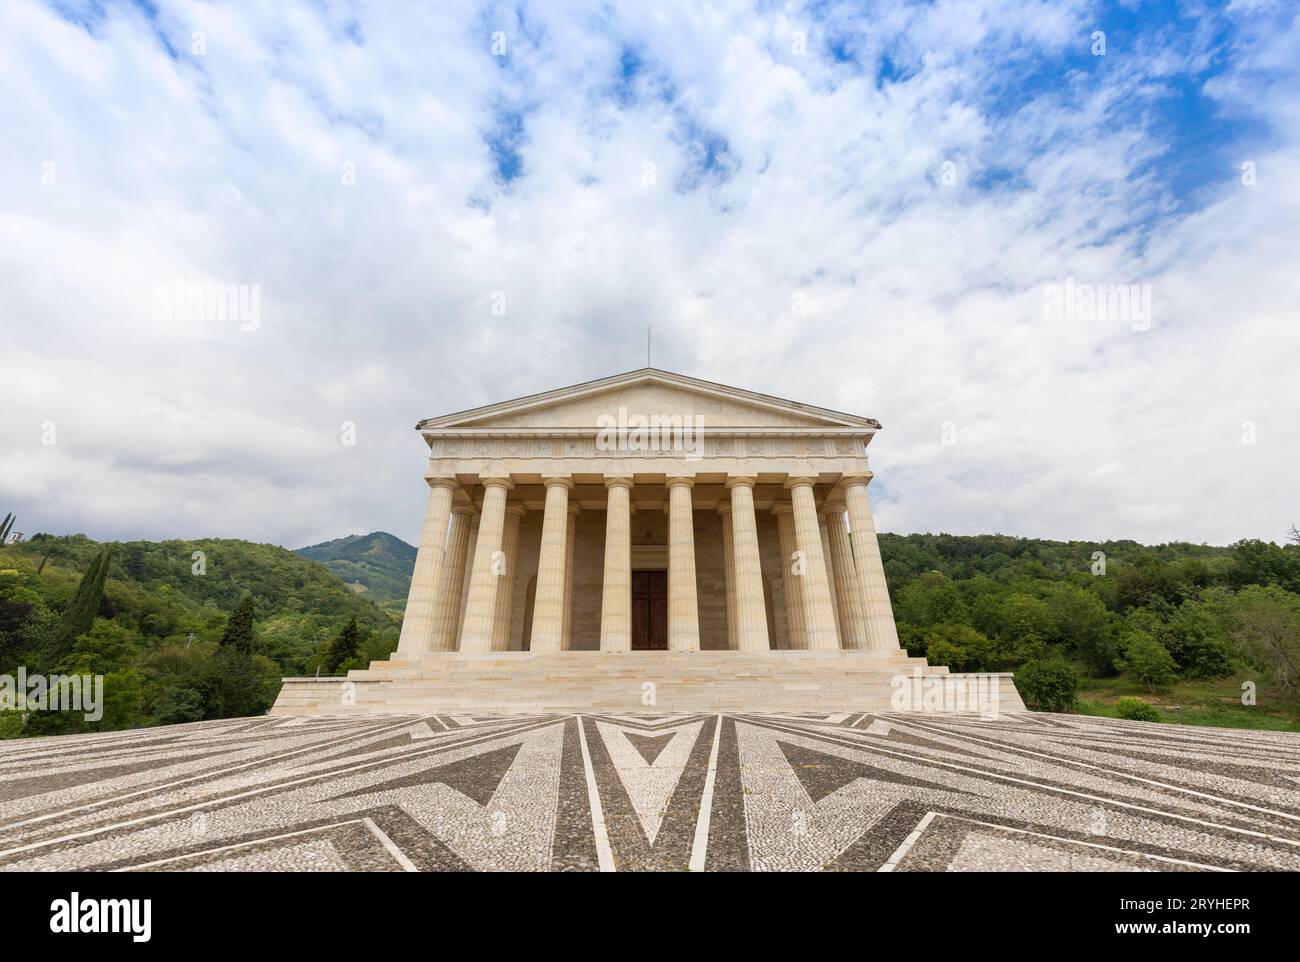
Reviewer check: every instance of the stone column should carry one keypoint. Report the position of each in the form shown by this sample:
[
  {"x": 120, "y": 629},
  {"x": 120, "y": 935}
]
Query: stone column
[
  {"x": 571, "y": 536},
  {"x": 818, "y": 612},
  {"x": 485, "y": 579},
  {"x": 421, "y": 600},
  {"x": 882, "y": 634},
  {"x": 729, "y": 573},
  {"x": 792, "y": 568},
  {"x": 751, "y": 620},
  {"x": 548, "y": 605},
  {"x": 683, "y": 604},
  {"x": 506, "y": 590},
  {"x": 616, "y": 595},
  {"x": 447, "y": 615},
  {"x": 830, "y": 570},
  {"x": 853, "y": 615},
  {"x": 469, "y": 573}
]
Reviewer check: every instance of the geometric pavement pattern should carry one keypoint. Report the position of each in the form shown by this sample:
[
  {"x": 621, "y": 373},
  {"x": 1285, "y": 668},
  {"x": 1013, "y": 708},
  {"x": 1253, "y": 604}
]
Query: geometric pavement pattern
[{"x": 730, "y": 792}]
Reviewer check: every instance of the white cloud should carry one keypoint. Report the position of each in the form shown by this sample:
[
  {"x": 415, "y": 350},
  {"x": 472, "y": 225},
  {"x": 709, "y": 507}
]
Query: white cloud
[{"x": 925, "y": 302}]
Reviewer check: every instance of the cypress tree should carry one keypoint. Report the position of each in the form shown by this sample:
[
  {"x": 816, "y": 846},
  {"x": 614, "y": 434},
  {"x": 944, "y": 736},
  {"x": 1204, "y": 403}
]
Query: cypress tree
[
  {"x": 79, "y": 615},
  {"x": 239, "y": 627},
  {"x": 344, "y": 646}
]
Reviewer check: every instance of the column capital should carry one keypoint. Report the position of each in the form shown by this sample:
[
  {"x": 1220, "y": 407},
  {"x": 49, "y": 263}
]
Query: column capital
[
  {"x": 741, "y": 480},
  {"x": 724, "y": 508},
  {"x": 575, "y": 509},
  {"x": 782, "y": 507},
  {"x": 496, "y": 481},
  {"x": 833, "y": 507},
  {"x": 618, "y": 481},
  {"x": 799, "y": 481},
  {"x": 516, "y": 509},
  {"x": 464, "y": 509},
  {"x": 855, "y": 478},
  {"x": 675, "y": 479},
  {"x": 551, "y": 480},
  {"x": 442, "y": 481}
]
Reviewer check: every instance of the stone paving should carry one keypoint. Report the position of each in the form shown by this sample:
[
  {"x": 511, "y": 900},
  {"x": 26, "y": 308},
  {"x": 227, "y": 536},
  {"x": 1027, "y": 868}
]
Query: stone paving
[{"x": 734, "y": 792}]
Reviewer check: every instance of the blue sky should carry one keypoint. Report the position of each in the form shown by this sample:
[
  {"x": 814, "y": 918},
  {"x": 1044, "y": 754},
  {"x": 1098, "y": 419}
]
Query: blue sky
[{"x": 860, "y": 205}]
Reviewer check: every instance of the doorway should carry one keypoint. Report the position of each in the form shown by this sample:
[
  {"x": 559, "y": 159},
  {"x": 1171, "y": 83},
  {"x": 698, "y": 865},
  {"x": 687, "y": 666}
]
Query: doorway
[{"x": 649, "y": 610}]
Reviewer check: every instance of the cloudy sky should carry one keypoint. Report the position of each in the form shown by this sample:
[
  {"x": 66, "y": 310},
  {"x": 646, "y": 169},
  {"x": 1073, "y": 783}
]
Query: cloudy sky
[{"x": 452, "y": 205}]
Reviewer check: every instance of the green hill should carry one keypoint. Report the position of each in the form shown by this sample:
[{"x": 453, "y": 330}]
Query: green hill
[
  {"x": 157, "y": 630},
  {"x": 377, "y": 565}
]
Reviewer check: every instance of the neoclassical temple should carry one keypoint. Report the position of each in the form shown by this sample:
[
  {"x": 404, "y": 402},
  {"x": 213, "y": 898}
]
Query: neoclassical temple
[{"x": 718, "y": 541}]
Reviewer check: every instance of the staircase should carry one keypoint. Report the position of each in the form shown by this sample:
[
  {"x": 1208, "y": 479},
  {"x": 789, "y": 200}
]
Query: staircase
[{"x": 640, "y": 681}]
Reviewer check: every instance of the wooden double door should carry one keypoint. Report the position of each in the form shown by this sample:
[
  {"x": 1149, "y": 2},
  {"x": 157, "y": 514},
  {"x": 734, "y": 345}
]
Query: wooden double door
[{"x": 649, "y": 610}]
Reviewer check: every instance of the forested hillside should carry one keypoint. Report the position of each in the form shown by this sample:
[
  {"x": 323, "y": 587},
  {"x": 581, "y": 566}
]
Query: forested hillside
[
  {"x": 1117, "y": 616},
  {"x": 156, "y": 628},
  {"x": 377, "y": 565}
]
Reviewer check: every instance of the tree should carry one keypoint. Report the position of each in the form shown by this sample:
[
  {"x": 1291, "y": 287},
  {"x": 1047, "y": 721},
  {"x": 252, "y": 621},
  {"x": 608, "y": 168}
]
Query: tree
[
  {"x": 79, "y": 613},
  {"x": 1266, "y": 630},
  {"x": 239, "y": 629},
  {"x": 961, "y": 648},
  {"x": 1148, "y": 660},
  {"x": 1198, "y": 642},
  {"x": 1082, "y": 625},
  {"x": 1048, "y": 684},
  {"x": 344, "y": 647}
]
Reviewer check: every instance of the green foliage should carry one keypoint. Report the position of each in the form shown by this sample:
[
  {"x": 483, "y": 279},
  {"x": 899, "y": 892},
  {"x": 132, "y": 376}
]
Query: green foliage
[
  {"x": 1148, "y": 660},
  {"x": 344, "y": 648},
  {"x": 1135, "y": 709},
  {"x": 961, "y": 648},
  {"x": 239, "y": 629},
  {"x": 1265, "y": 628},
  {"x": 376, "y": 564},
  {"x": 1048, "y": 685},
  {"x": 156, "y": 630}
]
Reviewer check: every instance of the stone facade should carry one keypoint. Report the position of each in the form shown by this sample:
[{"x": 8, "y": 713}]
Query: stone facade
[{"x": 753, "y": 510}]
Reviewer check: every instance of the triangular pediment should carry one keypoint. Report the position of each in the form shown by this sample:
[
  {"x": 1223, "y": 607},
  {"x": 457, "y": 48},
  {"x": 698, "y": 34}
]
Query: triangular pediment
[{"x": 649, "y": 393}]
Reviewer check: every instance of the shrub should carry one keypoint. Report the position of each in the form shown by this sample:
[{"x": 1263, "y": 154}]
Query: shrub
[
  {"x": 961, "y": 648},
  {"x": 1135, "y": 709},
  {"x": 1048, "y": 684}
]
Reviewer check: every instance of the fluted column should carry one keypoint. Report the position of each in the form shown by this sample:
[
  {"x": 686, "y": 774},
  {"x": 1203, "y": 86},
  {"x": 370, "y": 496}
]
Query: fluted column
[
  {"x": 729, "y": 573},
  {"x": 418, "y": 620},
  {"x": 792, "y": 568},
  {"x": 882, "y": 634},
  {"x": 830, "y": 570},
  {"x": 853, "y": 615},
  {"x": 450, "y": 588},
  {"x": 506, "y": 589},
  {"x": 489, "y": 566},
  {"x": 819, "y": 614},
  {"x": 468, "y": 576},
  {"x": 751, "y": 613},
  {"x": 570, "y": 539},
  {"x": 616, "y": 593},
  {"x": 683, "y": 604},
  {"x": 548, "y": 605}
]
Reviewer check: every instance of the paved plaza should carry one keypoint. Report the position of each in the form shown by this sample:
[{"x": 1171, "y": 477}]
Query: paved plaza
[{"x": 763, "y": 792}]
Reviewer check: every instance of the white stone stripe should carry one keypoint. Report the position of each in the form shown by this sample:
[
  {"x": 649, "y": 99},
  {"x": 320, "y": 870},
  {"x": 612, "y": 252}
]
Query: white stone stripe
[
  {"x": 1013, "y": 749},
  {"x": 604, "y": 854},
  {"x": 700, "y": 847},
  {"x": 1055, "y": 789},
  {"x": 892, "y": 862},
  {"x": 388, "y": 843},
  {"x": 922, "y": 825},
  {"x": 258, "y": 790}
]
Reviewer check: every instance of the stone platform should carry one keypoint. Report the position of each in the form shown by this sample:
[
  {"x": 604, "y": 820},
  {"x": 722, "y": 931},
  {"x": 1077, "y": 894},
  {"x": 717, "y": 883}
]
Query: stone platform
[{"x": 640, "y": 681}]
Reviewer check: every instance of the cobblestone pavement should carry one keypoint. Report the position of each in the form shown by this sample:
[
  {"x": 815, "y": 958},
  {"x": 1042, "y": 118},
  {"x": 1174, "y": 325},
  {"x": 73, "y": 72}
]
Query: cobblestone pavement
[{"x": 841, "y": 792}]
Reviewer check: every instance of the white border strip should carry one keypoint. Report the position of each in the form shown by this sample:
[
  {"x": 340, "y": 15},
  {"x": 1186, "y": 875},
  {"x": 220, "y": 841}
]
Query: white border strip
[
  {"x": 604, "y": 854},
  {"x": 700, "y": 847}
]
